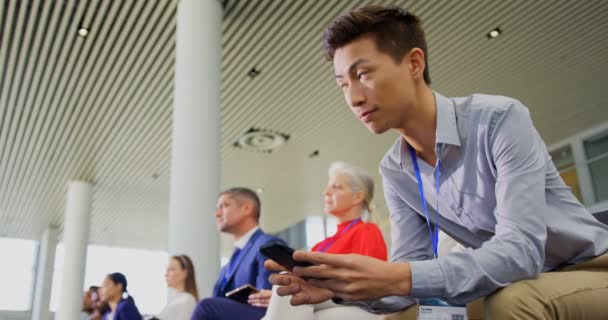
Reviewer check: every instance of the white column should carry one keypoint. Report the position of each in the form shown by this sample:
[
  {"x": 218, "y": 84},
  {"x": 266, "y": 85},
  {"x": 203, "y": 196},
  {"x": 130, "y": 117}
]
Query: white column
[
  {"x": 44, "y": 274},
  {"x": 195, "y": 161},
  {"x": 75, "y": 240}
]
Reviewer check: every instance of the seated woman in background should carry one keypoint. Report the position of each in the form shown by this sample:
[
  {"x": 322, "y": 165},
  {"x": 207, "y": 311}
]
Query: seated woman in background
[
  {"x": 183, "y": 294},
  {"x": 348, "y": 196},
  {"x": 92, "y": 306},
  {"x": 114, "y": 292}
]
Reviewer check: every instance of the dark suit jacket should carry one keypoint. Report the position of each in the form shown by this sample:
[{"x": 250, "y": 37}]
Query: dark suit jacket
[
  {"x": 250, "y": 267},
  {"x": 126, "y": 310}
]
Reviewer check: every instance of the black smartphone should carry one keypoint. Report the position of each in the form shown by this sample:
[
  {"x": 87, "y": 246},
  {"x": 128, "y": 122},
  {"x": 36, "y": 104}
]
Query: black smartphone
[
  {"x": 282, "y": 255},
  {"x": 242, "y": 293}
]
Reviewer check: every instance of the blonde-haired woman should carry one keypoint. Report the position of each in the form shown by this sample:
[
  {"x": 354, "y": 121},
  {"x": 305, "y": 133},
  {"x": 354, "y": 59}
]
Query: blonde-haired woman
[
  {"x": 348, "y": 197},
  {"x": 183, "y": 294}
]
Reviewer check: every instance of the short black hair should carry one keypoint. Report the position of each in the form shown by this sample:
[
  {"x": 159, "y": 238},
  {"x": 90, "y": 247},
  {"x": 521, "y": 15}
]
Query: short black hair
[
  {"x": 242, "y": 192},
  {"x": 395, "y": 31}
]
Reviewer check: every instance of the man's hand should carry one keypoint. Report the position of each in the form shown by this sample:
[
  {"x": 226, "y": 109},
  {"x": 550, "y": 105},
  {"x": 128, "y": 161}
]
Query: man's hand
[
  {"x": 300, "y": 290},
  {"x": 260, "y": 299},
  {"x": 352, "y": 277},
  {"x": 273, "y": 266}
]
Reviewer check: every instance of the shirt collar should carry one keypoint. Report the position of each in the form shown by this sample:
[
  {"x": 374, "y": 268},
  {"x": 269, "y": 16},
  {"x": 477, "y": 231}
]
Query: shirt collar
[
  {"x": 447, "y": 129},
  {"x": 242, "y": 242}
]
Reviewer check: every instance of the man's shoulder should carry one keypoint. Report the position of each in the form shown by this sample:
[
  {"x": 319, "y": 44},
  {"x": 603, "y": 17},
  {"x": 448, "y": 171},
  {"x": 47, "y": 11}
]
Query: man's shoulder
[
  {"x": 483, "y": 106},
  {"x": 266, "y": 238},
  {"x": 476, "y": 109},
  {"x": 261, "y": 240}
]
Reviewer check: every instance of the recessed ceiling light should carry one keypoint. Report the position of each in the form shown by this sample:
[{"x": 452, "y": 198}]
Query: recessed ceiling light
[
  {"x": 83, "y": 32},
  {"x": 494, "y": 33},
  {"x": 253, "y": 73},
  {"x": 263, "y": 140},
  {"x": 259, "y": 190}
]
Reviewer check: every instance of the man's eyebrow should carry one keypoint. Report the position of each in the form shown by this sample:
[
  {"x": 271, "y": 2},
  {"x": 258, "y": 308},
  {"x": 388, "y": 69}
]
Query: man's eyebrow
[{"x": 353, "y": 66}]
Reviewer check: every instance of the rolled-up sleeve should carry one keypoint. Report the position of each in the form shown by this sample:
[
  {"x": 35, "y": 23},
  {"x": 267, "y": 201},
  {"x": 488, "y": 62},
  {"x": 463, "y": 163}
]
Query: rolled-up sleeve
[{"x": 516, "y": 252}]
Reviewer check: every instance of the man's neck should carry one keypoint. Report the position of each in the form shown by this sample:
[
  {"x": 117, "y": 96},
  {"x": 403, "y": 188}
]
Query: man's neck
[
  {"x": 420, "y": 128},
  {"x": 243, "y": 231}
]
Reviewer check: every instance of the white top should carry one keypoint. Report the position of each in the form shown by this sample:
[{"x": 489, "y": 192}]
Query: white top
[
  {"x": 242, "y": 242},
  {"x": 180, "y": 306}
]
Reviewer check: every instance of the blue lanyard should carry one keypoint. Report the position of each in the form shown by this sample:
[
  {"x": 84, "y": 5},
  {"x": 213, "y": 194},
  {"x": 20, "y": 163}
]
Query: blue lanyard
[
  {"x": 433, "y": 233},
  {"x": 325, "y": 246}
]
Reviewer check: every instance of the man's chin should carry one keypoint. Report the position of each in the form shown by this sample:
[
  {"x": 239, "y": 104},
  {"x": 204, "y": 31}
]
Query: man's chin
[{"x": 376, "y": 130}]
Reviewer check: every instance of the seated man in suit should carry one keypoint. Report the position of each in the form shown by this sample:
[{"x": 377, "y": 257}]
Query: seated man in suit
[{"x": 238, "y": 213}]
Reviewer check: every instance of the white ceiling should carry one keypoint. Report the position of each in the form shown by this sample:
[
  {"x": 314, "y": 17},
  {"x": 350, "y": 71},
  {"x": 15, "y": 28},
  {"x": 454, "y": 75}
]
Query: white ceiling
[{"x": 99, "y": 108}]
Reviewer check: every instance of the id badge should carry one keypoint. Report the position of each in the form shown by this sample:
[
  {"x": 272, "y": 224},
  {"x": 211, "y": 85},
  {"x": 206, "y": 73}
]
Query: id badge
[{"x": 435, "y": 309}]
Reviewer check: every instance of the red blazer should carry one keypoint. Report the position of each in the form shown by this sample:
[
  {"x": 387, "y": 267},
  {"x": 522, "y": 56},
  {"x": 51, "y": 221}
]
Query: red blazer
[{"x": 362, "y": 238}]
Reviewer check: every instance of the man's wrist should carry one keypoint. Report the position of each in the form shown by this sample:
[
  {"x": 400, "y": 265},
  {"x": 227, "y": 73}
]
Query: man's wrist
[{"x": 403, "y": 279}]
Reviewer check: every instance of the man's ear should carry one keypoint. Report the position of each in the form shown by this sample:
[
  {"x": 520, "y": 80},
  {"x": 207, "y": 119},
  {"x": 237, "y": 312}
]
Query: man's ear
[
  {"x": 248, "y": 207},
  {"x": 417, "y": 63}
]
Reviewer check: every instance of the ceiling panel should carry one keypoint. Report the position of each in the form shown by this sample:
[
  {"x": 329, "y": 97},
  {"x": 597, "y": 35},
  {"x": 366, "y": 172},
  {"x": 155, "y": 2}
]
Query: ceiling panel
[{"x": 99, "y": 107}]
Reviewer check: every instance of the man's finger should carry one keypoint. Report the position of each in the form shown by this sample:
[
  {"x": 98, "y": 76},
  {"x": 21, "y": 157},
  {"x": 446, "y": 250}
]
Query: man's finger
[
  {"x": 289, "y": 290},
  {"x": 273, "y": 266},
  {"x": 300, "y": 299},
  {"x": 318, "y": 258},
  {"x": 255, "y": 296},
  {"x": 318, "y": 272},
  {"x": 310, "y": 297},
  {"x": 280, "y": 279},
  {"x": 336, "y": 286}
]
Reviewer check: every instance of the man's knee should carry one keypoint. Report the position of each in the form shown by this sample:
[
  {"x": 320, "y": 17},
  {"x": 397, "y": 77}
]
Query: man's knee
[
  {"x": 207, "y": 308},
  {"x": 517, "y": 301}
]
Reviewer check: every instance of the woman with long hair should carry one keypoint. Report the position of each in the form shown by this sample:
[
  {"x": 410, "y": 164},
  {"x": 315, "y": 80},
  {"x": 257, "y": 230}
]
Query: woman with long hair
[{"x": 183, "y": 293}]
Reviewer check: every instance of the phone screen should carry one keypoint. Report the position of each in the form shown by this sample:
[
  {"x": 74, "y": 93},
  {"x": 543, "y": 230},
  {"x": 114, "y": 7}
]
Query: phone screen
[
  {"x": 241, "y": 294},
  {"x": 282, "y": 255}
]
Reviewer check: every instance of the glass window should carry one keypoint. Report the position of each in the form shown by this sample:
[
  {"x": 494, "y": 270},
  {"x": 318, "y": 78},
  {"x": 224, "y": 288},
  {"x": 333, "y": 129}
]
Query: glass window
[
  {"x": 563, "y": 158},
  {"x": 315, "y": 231},
  {"x": 331, "y": 226},
  {"x": 17, "y": 272},
  {"x": 144, "y": 269},
  {"x": 596, "y": 151}
]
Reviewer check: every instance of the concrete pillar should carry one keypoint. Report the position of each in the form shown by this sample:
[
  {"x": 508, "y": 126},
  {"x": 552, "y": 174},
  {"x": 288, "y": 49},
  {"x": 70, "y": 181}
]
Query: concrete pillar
[
  {"x": 195, "y": 158},
  {"x": 75, "y": 241},
  {"x": 44, "y": 274}
]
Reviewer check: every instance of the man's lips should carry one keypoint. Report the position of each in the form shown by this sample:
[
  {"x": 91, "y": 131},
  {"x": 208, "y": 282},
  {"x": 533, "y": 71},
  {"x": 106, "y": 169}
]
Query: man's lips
[{"x": 367, "y": 115}]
